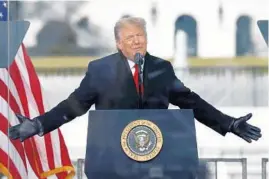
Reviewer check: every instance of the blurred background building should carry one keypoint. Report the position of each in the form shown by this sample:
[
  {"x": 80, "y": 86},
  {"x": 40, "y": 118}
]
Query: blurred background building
[
  {"x": 215, "y": 46},
  {"x": 212, "y": 28}
]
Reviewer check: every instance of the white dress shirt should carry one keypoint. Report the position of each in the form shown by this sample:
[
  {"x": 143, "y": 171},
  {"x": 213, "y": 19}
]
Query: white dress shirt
[{"x": 132, "y": 66}]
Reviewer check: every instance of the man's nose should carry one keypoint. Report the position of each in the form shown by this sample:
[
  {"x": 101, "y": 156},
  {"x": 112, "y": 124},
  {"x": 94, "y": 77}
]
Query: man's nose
[{"x": 136, "y": 40}]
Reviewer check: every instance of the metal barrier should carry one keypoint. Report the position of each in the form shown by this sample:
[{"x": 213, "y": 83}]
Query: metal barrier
[
  {"x": 243, "y": 161},
  {"x": 80, "y": 165},
  {"x": 264, "y": 165}
]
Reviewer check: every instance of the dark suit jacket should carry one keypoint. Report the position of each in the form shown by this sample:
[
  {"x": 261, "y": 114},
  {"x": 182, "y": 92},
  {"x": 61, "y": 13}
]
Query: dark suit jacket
[{"x": 109, "y": 84}]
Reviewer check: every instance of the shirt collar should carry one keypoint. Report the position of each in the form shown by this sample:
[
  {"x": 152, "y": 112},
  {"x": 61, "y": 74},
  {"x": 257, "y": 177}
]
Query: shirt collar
[{"x": 132, "y": 63}]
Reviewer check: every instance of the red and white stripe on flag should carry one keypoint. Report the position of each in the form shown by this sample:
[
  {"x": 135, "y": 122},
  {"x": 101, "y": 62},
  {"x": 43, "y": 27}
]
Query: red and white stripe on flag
[{"x": 37, "y": 157}]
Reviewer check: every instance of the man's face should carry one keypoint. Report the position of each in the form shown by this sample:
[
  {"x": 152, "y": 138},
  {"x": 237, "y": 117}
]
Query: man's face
[{"x": 132, "y": 39}]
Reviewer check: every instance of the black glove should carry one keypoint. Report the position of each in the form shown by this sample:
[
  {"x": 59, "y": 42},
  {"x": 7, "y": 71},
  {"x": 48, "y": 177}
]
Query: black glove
[
  {"x": 241, "y": 128},
  {"x": 26, "y": 129}
]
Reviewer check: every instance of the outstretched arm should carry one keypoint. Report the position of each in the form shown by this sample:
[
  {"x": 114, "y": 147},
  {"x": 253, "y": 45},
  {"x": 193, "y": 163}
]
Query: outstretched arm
[
  {"x": 77, "y": 104},
  {"x": 182, "y": 96}
]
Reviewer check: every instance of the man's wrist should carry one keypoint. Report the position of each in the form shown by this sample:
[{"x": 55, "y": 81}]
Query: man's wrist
[
  {"x": 231, "y": 126},
  {"x": 39, "y": 126}
]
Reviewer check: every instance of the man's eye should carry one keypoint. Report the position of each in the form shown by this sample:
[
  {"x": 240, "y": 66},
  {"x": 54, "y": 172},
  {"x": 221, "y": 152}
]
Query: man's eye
[{"x": 129, "y": 38}]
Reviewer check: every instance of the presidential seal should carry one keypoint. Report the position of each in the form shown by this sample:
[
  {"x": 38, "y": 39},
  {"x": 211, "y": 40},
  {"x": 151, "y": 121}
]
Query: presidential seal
[{"x": 141, "y": 140}]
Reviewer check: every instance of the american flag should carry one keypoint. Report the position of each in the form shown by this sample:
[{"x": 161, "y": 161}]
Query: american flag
[{"x": 37, "y": 157}]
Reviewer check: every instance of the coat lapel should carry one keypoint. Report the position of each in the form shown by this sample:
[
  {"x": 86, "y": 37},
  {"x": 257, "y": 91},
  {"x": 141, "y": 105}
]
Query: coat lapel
[
  {"x": 148, "y": 69},
  {"x": 125, "y": 82},
  {"x": 155, "y": 76},
  {"x": 125, "y": 78}
]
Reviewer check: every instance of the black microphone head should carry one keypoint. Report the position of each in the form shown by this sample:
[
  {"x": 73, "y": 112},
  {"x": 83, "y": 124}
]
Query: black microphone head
[
  {"x": 138, "y": 59},
  {"x": 137, "y": 55}
]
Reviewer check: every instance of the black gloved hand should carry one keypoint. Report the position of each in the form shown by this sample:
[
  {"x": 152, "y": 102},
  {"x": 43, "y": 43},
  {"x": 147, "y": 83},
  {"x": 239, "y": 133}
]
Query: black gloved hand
[
  {"x": 241, "y": 128},
  {"x": 26, "y": 129}
]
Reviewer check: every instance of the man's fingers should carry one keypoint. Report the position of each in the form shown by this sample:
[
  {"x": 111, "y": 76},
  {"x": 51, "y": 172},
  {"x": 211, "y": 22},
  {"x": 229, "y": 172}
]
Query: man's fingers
[
  {"x": 20, "y": 118},
  {"x": 22, "y": 139},
  {"x": 246, "y": 131},
  {"x": 251, "y": 136},
  {"x": 242, "y": 120},
  {"x": 246, "y": 117},
  {"x": 254, "y": 133},
  {"x": 246, "y": 138},
  {"x": 256, "y": 129},
  {"x": 13, "y": 132}
]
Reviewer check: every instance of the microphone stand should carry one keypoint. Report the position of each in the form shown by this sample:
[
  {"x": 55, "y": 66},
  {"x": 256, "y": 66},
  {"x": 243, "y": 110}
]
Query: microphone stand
[
  {"x": 139, "y": 61},
  {"x": 140, "y": 83}
]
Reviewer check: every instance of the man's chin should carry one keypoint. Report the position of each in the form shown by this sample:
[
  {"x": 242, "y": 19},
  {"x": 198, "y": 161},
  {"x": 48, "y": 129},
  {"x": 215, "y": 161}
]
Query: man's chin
[{"x": 141, "y": 52}]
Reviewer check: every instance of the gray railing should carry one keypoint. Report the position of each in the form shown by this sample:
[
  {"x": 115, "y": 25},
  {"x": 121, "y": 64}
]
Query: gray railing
[
  {"x": 80, "y": 165},
  {"x": 264, "y": 165},
  {"x": 242, "y": 161}
]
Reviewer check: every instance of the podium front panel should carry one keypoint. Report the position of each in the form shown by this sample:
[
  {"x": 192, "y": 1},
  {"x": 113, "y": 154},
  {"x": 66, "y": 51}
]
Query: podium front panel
[{"x": 105, "y": 156}]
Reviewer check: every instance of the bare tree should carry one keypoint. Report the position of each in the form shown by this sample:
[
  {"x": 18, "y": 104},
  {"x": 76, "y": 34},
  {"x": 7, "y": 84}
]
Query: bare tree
[{"x": 52, "y": 9}]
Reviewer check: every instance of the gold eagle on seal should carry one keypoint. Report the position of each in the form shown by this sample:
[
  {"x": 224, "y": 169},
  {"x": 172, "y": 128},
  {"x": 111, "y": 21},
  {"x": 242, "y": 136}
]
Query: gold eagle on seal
[{"x": 142, "y": 139}]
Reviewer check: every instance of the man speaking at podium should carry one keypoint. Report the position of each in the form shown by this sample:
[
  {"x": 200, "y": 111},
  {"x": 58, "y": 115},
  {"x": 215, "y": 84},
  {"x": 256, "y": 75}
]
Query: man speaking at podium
[{"x": 132, "y": 79}]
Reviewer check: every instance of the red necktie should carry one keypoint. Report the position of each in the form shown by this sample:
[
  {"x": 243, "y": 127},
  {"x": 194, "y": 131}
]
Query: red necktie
[{"x": 136, "y": 80}]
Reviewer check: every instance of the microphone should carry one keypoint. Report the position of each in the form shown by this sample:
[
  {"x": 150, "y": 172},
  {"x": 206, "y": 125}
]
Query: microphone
[{"x": 139, "y": 60}]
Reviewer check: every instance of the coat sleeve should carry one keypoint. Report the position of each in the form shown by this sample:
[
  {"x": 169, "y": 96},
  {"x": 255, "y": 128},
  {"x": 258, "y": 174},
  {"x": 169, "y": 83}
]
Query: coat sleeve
[
  {"x": 183, "y": 97},
  {"x": 77, "y": 104}
]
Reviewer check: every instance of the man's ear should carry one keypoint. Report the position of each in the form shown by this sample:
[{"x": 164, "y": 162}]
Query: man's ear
[{"x": 119, "y": 45}]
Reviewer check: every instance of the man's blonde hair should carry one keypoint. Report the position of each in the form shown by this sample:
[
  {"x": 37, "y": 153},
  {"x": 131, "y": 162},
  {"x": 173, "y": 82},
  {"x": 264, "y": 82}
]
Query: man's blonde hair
[{"x": 140, "y": 22}]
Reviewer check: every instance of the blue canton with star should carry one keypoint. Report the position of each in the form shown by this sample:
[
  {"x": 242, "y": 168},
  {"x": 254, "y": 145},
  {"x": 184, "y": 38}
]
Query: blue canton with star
[{"x": 3, "y": 10}]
